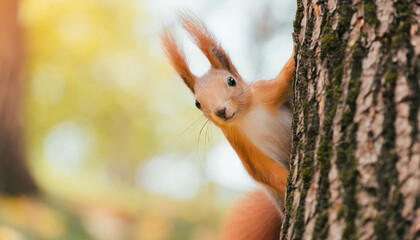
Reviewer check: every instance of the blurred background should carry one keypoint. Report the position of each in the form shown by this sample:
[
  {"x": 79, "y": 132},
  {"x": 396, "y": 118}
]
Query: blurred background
[{"x": 109, "y": 143}]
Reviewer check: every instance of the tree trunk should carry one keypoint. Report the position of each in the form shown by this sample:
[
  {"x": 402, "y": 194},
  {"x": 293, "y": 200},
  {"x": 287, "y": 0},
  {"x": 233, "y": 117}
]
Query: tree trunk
[
  {"x": 14, "y": 175},
  {"x": 355, "y": 167}
]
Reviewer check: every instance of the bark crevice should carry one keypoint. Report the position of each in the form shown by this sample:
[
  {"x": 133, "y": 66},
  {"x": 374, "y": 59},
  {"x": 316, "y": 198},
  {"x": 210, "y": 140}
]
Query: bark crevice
[{"x": 356, "y": 143}]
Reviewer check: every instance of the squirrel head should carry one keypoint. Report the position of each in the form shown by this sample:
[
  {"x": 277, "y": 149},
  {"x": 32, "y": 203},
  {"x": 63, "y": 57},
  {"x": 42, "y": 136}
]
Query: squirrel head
[{"x": 221, "y": 94}]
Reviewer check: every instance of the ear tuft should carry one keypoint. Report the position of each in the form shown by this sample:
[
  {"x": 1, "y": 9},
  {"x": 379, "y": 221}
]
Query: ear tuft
[
  {"x": 177, "y": 58},
  {"x": 207, "y": 43},
  {"x": 222, "y": 57}
]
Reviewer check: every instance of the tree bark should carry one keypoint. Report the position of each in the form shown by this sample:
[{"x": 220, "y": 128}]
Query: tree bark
[
  {"x": 355, "y": 166},
  {"x": 15, "y": 178}
]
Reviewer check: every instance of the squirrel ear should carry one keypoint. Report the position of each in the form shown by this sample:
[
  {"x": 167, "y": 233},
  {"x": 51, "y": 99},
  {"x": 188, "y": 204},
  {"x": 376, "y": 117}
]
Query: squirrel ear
[
  {"x": 223, "y": 59},
  {"x": 207, "y": 43},
  {"x": 177, "y": 58}
]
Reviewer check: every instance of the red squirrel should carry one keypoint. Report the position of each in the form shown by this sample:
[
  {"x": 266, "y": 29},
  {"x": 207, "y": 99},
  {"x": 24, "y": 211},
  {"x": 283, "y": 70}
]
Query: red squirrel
[{"x": 255, "y": 118}]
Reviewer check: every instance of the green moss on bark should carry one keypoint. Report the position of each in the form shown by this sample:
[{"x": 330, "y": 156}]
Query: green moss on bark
[
  {"x": 320, "y": 232},
  {"x": 333, "y": 50},
  {"x": 324, "y": 155},
  {"x": 298, "y": 144},
  {"x": 308, "y": 108},
  {"x": 402, "y": 25},
  {"x": 299, "y": 16},
  {"x": 345, "y": 149},
  {"x": 414, "y": 85},
  {"x": 389, "y": 223},
  {"x": 370, "y": 13}
]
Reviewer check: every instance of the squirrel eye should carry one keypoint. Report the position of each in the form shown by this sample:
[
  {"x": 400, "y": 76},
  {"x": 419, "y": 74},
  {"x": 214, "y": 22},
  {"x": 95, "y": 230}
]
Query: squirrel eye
[
  {"x": 231, "y": 82},
  {"x": 197, "y": 104}
]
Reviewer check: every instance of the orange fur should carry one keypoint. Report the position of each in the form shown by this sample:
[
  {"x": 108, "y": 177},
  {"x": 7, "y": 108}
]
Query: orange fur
[
  {"x": 274, "y": 93},
  {"x": 253, "y": 218},
  {"x": 205, "y": 40},
  {"x": 177, "y": 58},
  {"x": 255, "y": 123},
  {"x": 262, "y": 168}
]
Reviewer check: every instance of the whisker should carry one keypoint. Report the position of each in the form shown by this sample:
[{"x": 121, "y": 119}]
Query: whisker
[
  {"x": 211, "y": 131},
  {"x": 192, "y": 125},
  {"x": 199, "y": 135},
  {"x": 206, "y": 135},
  {"x": 206, "y": 141}
]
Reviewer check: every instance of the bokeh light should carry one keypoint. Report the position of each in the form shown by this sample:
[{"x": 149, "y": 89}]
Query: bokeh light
[{"x": 112, "y": 135}]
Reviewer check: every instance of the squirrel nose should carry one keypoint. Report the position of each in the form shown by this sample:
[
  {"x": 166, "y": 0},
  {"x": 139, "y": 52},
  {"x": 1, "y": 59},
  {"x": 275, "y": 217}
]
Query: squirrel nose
[{"x": 221, "y": 113}]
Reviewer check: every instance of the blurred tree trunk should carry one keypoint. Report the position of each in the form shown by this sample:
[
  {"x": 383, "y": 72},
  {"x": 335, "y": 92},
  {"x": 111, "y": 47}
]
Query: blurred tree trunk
[
  {"x": 15, "y": 178},
  {"x": 355, "y": 168}
]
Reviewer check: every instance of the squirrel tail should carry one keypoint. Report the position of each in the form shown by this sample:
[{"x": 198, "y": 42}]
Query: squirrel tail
[{"x": 254, "y": 217}]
